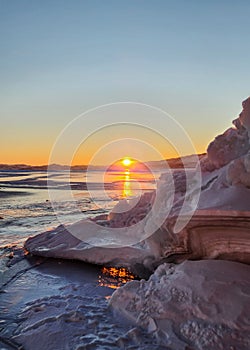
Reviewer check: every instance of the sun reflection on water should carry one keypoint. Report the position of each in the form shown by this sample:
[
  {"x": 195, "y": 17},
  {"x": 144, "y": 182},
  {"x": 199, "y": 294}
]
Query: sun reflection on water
[
  {"x": 127, "y": 188},
  {"x": 113, "y": 277}
]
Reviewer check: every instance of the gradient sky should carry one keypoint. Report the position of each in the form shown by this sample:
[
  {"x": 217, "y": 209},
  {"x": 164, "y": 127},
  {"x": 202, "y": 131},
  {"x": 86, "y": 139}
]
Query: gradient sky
[{"x": 60, "y": 58}]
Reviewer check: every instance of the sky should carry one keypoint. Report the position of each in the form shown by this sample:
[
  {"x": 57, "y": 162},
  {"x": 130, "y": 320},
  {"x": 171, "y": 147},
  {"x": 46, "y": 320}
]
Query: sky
[{"x": 59, "y": 59}]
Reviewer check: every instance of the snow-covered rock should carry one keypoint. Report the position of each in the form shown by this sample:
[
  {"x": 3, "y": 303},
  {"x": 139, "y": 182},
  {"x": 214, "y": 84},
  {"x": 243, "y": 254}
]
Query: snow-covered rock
[
  {"x": 201, "y": 305},
  {"x": 244, "y": 116},
  {"x": 233, "y": 143},
  {"x": 238, "y": 172}
]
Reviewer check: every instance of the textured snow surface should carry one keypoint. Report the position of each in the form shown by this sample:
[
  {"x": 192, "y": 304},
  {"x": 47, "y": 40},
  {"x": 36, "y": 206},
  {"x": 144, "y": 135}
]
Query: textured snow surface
[{"x": 202, "y": 304}]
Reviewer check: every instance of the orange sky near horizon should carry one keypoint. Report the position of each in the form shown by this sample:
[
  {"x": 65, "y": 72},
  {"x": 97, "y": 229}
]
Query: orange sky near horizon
[
  {"x": 114, "y": 142},
  {"x": 113, "y": 139}
]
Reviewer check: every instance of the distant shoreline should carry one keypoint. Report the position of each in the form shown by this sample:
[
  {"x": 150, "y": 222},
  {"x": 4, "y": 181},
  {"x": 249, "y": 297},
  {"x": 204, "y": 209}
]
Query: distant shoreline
[{"x": 172, "y": 163}]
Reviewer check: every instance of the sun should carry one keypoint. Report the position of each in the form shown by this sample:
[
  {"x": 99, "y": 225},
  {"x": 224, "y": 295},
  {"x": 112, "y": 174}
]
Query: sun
[{"x": 126, "y": 161}]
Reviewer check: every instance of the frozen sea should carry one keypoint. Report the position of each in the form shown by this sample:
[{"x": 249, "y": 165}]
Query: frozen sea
[{"x": 26, "y": 203}]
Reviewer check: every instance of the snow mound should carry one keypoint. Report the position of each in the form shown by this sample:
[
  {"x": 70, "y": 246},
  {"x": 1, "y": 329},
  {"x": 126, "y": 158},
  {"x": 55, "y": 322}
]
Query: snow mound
[{"x": 203, "y": 305}]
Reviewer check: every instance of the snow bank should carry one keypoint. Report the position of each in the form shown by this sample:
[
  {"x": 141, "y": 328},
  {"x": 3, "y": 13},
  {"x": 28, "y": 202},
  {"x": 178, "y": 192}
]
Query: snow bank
[{"x": 202, "y": 305}]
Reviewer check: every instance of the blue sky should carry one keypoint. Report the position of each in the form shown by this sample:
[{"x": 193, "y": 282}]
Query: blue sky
[{"x": 59, "y": 58}]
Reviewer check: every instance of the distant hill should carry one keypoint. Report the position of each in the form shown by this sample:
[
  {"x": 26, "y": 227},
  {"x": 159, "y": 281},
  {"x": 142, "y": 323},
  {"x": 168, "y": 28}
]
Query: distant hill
[
  {"x": 176, "y": 163},
  {"x": 53, "y": 167}
]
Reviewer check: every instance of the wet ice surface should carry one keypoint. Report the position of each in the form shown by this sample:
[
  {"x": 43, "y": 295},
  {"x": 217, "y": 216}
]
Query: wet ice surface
[{"x": 62, "y": 305}]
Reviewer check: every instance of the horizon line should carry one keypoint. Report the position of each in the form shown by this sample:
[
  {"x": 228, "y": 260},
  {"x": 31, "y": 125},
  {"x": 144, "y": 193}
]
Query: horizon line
[{"x": 91, "y": 165}]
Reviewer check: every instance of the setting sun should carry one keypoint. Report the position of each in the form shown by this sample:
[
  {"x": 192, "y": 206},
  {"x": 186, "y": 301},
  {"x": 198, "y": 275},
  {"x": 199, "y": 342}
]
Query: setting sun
[{"x": 126, "y": 161}]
